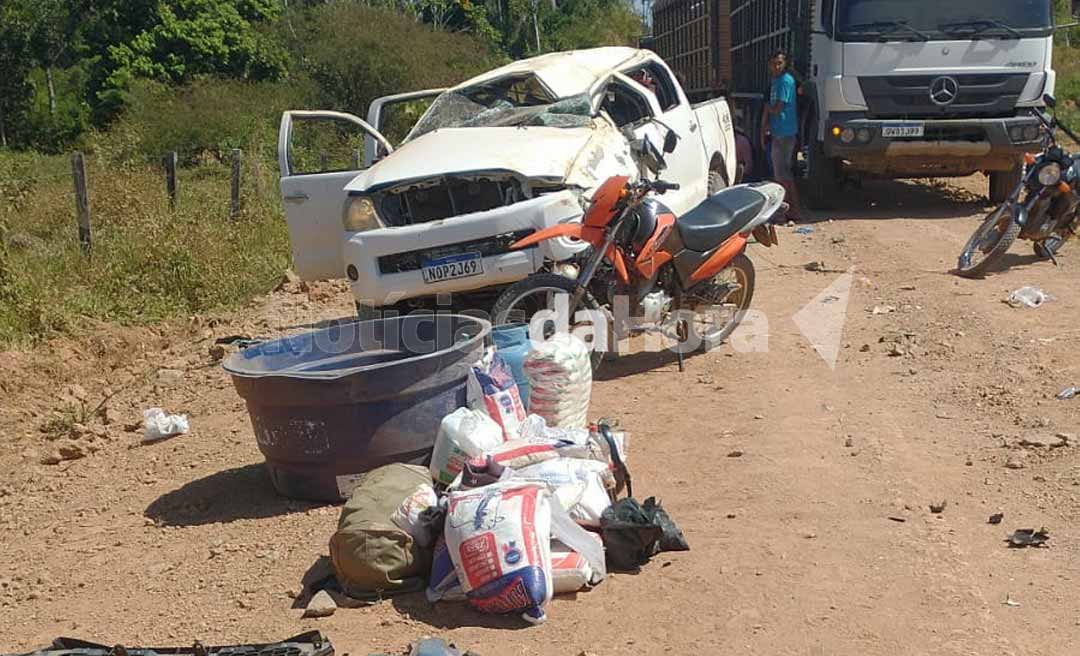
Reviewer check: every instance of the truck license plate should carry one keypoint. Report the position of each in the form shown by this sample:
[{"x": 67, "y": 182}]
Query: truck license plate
[
  {"x": 462, "y": 265},
  {"x": 902, "y": 130}
]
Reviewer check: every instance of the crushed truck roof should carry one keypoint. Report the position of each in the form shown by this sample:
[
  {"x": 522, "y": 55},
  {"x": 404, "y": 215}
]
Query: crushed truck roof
[{"x": 567, "y": 73}]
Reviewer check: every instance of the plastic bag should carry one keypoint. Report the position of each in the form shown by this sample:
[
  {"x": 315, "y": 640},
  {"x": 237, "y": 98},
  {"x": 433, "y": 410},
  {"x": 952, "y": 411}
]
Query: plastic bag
[
  {"x": 463, "y": 434},
  {"x": 1029, "y": 297},
  {"x": 571, "y": 571},
  {"x": 158, "y": 425},
  {"x": 634, "y": 533},
  {"x": 443, "y": 584},
  {"x": 407, "y": 515},
  {"x": 499, "y": 538},
  {"x": 493, "y": 390},
  {"x": 579, "y": 485},
  {"x": 560, "y": 381}
]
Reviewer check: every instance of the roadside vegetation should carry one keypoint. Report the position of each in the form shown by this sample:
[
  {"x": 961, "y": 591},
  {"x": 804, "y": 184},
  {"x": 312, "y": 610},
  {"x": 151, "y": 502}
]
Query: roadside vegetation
[{"x": 124, "y": 84}]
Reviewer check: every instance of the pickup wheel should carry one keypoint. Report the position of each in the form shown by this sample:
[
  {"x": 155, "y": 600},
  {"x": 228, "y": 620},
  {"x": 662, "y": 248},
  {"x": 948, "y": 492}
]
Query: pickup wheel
[
  {"x": 520, "y": 302},
  {"x": 1002, "y": 184},
  {"x": 717, "y": 182}
]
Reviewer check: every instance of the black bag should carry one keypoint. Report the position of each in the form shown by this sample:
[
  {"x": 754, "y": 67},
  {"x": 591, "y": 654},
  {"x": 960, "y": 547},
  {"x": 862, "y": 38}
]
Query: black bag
[{"x": 634, "y": 533}]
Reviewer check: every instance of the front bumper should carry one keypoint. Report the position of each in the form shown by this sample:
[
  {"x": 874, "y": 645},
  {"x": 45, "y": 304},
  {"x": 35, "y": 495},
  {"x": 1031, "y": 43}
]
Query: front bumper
[
  {"x": 383, "y": 266},
  {"x": 957, "y": 146}
]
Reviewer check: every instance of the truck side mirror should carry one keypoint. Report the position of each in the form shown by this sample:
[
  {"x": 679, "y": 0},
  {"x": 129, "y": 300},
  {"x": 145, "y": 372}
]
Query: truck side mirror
[
  {"x": 670, "y": 141},
  {"x": 1050, "y": 101}
]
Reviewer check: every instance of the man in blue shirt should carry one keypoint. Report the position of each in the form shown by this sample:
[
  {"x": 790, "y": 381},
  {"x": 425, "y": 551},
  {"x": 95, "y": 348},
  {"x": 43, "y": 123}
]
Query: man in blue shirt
[{"x": 783, "y": 124}]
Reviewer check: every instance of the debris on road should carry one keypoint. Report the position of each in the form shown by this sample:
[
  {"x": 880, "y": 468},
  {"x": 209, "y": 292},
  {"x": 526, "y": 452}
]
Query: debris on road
[
  {"x": 1029, "y": 297},
  {"x": 882, "y": 309},
  {"x": 804, "y": 230},
  {"x": 996, "y": 518},
  {"x": 1028, "y": 537},
  {"x": 897, "y": 518},
  {"x": 1061, "y": 440},
  {"x": 817, "y": 266},
  {"x": 1009, "y": 602},
  {"x": 1068, "y": 393},
  {"x": 938, "y": 508},
  {"x": 158, "y": 425}
]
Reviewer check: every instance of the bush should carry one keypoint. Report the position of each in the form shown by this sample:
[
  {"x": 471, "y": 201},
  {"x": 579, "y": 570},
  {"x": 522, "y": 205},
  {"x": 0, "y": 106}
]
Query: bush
[
  {"x": 203, "y": 120},
  {"x": 356, "y": 54}
]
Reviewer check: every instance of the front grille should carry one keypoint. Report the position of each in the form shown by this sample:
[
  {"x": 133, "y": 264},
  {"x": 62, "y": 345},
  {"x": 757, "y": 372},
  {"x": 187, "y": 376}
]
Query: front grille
[
  {"x": 413, "y": 260},
  {"x": 908, "y": 96},
  {"x": 446, "y": 196}
]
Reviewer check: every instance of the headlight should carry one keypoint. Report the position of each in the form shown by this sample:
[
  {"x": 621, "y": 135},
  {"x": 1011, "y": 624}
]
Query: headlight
[
  {"x": 360, "y": 215},
  {"x": 1050, "y": 174},
  {"x": 847, "y": 135}
]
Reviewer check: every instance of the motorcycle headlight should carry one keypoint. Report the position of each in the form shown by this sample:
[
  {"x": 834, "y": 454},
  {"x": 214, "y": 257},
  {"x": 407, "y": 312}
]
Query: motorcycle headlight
[
  {"x": 1050, "y": 174},
  {"x": 360, "y": 215}
]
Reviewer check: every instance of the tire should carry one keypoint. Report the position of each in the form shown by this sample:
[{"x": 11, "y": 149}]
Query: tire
[
  {"x": 1005, "y": 239},
  {"x": 717, "y": 183},
  {"x": 822, "y": 183},
  {"x": 540, "y": 281},
  {"x": 1003, "y": 183},
  {"x": 742, "y": 267}
]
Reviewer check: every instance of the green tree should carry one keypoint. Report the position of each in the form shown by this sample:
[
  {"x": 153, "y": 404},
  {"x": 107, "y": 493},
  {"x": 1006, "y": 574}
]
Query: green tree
[
  {"x": 15, "y": 62},
  {"x": 177, "y": 40},
  {"x": 356, "y": 54}
]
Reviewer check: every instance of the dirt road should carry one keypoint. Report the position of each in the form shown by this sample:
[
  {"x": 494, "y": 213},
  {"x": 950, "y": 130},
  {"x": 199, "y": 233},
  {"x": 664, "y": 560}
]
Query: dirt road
[{"x": 796, "y": 545}]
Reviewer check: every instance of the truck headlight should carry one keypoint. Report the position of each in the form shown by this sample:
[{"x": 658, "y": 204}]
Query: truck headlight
[
  {"x": 847, "y": 135},
  {"x": 360, "y": 214},
  {"x": 1050, "y": 174}
]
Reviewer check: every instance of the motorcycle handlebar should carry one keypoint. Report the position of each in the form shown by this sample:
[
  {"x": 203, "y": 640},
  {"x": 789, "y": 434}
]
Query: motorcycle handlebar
[{"x": 660, "y": 186}]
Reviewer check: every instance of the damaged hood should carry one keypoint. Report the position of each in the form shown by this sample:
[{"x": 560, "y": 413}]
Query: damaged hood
[{"x": 533, "y": 152}]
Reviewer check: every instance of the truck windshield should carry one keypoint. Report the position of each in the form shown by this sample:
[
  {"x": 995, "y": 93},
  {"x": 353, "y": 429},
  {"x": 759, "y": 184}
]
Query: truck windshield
[
  {"x": 921, "y": 20},
  {"x": 515, "y": 101}
]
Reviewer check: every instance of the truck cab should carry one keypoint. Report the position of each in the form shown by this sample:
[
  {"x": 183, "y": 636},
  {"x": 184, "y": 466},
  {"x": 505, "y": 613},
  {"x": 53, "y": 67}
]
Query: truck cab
[{"x": 922, "y": 88}]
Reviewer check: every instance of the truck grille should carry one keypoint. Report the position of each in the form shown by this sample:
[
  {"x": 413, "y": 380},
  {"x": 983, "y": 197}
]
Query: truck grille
[
  {"x": 413, "y": 260},
  {"x": 908, "y": 96},
  {"x": 446, "y": 196}
]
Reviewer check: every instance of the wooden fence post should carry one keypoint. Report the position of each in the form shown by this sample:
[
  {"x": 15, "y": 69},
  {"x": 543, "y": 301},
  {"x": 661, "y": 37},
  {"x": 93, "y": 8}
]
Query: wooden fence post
[
  {"x": 170, "y": 177},
  {"x": 237, "y": 155},
  {"x": 356, "y": 159},
  {"x": 82, "y": 201},
  {"x": 322, "y": 161}
]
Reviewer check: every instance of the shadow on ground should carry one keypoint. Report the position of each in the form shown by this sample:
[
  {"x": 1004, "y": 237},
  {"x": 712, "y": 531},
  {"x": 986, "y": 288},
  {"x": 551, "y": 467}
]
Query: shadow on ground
[
  {"x": 453, "y": 615},
  {"x": 903, "y": 199},
  {"x": 226, "y": 496}
]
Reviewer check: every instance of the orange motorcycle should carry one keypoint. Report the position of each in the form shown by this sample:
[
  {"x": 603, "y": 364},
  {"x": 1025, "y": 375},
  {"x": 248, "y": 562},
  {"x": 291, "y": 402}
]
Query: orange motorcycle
[{"x": 686, "y": 276}]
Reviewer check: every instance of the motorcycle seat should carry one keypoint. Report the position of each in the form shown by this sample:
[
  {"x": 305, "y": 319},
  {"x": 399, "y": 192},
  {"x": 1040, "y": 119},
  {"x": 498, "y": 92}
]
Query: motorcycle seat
[{"x": 718, "y": 217}]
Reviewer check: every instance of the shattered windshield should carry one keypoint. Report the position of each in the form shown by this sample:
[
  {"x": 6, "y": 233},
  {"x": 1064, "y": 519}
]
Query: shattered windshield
[{"x": 517, "y": 101}]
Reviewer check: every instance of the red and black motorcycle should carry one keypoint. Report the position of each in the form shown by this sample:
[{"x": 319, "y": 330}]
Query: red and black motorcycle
[{"x": 686, "y": 276}]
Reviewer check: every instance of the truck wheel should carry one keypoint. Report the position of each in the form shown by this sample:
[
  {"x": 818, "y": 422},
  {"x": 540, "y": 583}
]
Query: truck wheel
[
  {"x": 1002, "y": 184},
  {"x": 822, "y": 178}
]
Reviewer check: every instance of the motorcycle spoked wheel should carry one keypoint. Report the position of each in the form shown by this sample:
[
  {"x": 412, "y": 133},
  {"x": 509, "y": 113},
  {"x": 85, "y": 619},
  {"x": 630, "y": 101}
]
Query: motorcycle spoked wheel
[
  {"x": 719, "y": 310},
  {"x": 520, "y": 302},
  {"x": 992, "y": 240}
]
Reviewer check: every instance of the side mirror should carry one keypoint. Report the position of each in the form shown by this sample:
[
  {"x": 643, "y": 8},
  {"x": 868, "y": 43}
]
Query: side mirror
[
  {"x": 1050, "y": 101},
  {"x": 670, "y": 141}
]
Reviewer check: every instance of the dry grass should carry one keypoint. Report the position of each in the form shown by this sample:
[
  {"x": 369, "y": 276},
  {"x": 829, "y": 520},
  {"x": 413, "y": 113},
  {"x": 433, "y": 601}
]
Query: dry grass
[{"x": 148, "y": 262}]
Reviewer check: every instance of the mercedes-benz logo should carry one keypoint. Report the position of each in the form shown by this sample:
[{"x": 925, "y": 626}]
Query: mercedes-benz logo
[{"x": 944, "y": 91}]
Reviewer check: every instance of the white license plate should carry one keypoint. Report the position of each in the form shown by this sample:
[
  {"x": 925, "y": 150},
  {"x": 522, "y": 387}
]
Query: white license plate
[
  {"x": 907, "y": 130},
  {"x": 450, "y": 267}
]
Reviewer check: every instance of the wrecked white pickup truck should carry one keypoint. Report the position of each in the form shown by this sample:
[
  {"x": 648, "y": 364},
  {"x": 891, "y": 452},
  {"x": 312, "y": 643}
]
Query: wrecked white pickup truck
[{"x": 490, "y": 161}]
